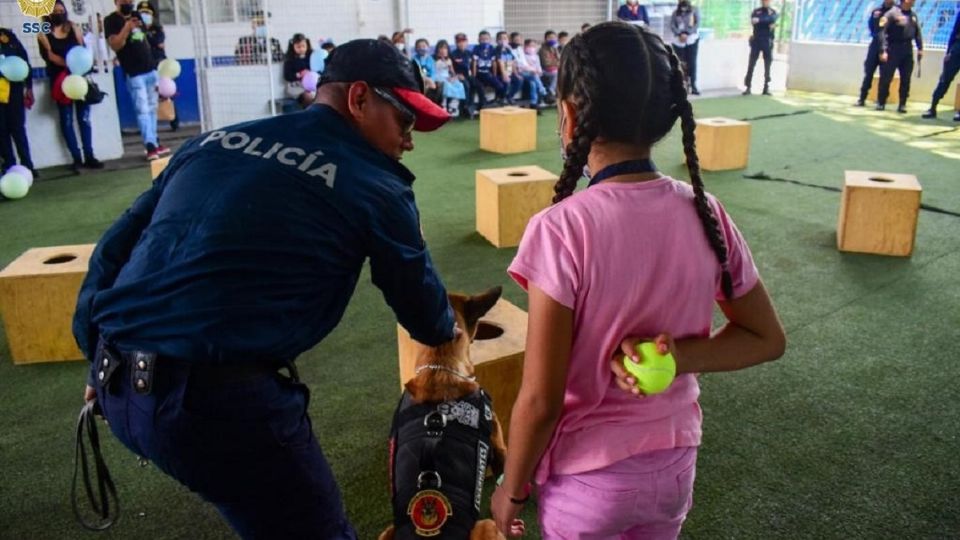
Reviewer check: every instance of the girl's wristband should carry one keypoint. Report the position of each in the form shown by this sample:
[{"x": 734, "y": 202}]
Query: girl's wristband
[{"x": 526, "y": 490}]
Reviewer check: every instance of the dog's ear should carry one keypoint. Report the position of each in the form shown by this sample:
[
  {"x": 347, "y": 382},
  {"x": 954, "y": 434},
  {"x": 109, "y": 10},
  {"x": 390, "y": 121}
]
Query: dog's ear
[{"x": 478, "y": 306}]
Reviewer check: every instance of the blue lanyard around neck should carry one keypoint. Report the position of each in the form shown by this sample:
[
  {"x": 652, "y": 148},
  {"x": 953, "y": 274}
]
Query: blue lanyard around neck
[{"x": 634, "y": 166}]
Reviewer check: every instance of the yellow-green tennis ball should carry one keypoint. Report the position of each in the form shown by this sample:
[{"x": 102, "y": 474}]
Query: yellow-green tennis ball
[{"x": 655, "y": 371}]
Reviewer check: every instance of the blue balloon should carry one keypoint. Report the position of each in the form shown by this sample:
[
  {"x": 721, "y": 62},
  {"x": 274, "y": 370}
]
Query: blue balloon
[
  {"x": 14, "y": 69},
  {"x": 318, "y": 60},
  {"x": 79, "y": 60}
]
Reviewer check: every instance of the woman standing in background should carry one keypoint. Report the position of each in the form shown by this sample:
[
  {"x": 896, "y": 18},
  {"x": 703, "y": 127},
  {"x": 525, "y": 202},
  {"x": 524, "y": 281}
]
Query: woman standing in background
[
  {"x": 685, "y": 25},
  {"x": 63, "y": 36}
]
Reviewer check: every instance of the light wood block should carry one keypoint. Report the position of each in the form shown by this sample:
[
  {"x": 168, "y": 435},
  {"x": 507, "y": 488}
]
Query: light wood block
[
  {"x": 497, "y": 359},
  {"x": 158, "y": 165},
  {"x": 508, "y": 130},
  {"x": 507, "y": 199},
  {"x": 878, "y": 213},
  {"x": 723, "y": 143},
  {"x": 893, "y": 97},
  {"x": 38, "y": 296}
]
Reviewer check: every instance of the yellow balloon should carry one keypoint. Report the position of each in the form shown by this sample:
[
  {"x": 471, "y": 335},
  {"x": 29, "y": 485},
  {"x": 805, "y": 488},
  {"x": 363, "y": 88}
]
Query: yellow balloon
[
  {"x": 75, "y": 87},
  {"x": 169, "y": 68}
]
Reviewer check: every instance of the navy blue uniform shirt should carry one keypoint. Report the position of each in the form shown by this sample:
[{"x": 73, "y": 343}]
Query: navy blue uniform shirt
[
  {"x": 626, "y": 14},
  {"x": 250, "y": 244},
  {"x": 873, "y": 23},
  {"x": 763, "y": 28},
  {"x": 953, "y": 44},
  {"x": 899, "y": 29}
]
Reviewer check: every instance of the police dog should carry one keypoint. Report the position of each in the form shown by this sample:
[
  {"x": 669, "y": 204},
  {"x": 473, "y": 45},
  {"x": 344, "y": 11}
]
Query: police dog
[{"x": 443, "y": 437}]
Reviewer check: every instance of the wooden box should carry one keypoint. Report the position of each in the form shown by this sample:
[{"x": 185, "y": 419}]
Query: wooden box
[
  {"x": 506, "y": 199},
  {"x": 508, "y": 130},
  {"x": 496, "y": 353},
  {"x": 878, "y": 213},
  {"x": 723, "y": 143},
  {"x": 893, "y": 97},
  {"x": 38, "y": 296},
  {"x": 158, "y": 165}
]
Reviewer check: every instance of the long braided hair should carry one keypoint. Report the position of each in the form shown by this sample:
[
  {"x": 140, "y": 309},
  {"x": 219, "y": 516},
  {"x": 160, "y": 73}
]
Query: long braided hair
[{"x": 628, "y": 86}]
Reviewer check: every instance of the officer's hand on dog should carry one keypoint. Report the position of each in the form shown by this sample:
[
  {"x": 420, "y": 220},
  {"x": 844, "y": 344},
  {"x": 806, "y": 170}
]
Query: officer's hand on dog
[
  {"x": 89, "y": 393},
  {"x": 505, "y": 514},
  {"x": 628, "y": 347}
]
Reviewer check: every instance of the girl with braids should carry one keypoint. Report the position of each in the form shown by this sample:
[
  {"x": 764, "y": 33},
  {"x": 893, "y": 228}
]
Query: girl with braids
[{"x": 635, "y": 254}]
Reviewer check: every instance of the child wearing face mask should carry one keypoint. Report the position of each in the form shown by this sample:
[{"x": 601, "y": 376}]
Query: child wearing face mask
[
  {"x": 484, "y": 68},
  {"x": 452, "y": 89},
  {"x": 507, "y": 68},
  {"x": 295, "y": 65},
  {"x": 550, "y": 61},
  {"x": 532, "y": 71},
  {"x": 422, "y": 58}
]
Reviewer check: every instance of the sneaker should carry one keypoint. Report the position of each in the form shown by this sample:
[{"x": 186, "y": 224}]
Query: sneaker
[
  {"x": 92, "y": 163},
  {"x": 930, "y": 113},
  {"x": 746, "y": 92},
  {"x": 36, "y": 173},
  {"x": 956, "y": 117},
  {"x": 75, "y": 166},
  {"x": 162, "y": 150},
  {"x": 152, "y": 152},
  {"x": 175, "y": 124}
]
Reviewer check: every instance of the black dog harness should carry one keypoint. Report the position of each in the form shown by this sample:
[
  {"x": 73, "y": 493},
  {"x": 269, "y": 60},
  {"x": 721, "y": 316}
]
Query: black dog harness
[{"x": 438, "y": 460}]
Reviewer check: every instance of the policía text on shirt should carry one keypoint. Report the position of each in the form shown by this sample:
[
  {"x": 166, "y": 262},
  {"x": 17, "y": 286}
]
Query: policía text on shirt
[{"x": 285, "y": 155}]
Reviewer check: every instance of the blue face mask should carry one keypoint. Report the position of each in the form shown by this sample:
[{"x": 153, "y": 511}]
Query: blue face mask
[
  {"x": 422, "y": 51},
  {"x": 261, "y": 32},
  {"x": 552, "y": 42},
  {"x": 147, "y": 19}
]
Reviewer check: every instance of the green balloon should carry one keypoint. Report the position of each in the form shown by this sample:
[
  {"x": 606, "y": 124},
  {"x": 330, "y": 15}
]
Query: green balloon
[{"x": 14, "y": 186}]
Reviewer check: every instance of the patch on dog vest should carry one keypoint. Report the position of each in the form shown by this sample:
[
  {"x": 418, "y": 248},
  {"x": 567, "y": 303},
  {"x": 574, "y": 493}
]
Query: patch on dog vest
[
  {"x": 461, "y": 411},
  {"x": 483, "y": 452},
  {"x": 428, "y": 511}
]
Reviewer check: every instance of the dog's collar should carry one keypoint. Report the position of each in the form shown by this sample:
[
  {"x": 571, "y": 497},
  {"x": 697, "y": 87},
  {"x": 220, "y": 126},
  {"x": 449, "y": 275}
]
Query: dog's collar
[{"x": 438, "y": 367}]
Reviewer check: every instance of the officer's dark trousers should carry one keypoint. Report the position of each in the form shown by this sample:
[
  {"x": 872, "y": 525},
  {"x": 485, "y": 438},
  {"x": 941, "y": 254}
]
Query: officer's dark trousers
[
  {"x": 246, "y": 446},
  {"x": 869, "y": 68},
  {"x": 13, "y": 130},
  {"x": 950, "y": 69},
  {"x": 900, "y": 58},
  {"x": 758, "y": 47}
]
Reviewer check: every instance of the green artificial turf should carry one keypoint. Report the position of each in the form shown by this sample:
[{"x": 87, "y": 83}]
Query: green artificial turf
[{"x": 853, "y": 434}]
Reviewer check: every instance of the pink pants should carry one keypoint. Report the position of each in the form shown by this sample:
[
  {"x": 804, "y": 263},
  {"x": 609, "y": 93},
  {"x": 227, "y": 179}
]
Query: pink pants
[{"x": 645, "y": 497}]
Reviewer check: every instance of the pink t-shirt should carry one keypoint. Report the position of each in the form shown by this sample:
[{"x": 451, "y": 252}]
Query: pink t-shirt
[{"x": 630, "y": 259}]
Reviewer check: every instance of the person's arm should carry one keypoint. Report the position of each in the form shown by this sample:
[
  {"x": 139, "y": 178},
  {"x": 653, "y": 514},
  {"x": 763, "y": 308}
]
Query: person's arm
[
  {"x": 675, "y": 24},
  {"x": 111, "y": 254},
  {"x": 401, "y": 267},
  {"x": 919, "y": 39},
  {"x": 117, "y": 37},
  {"x": 643, "y": 15},
  {"x": 884, "y": 24},
  {"x": 290, "y": 73},
  {"x": 539, "y": 403},
  {"x": 696, "y": 21}
]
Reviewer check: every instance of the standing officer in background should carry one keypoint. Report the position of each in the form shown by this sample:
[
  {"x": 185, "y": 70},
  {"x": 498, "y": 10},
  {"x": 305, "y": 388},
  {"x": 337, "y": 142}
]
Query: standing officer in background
[
  {"x": 15, "y": 99},
  {"x": 243, "y": 255},
  {"x": 951, "y": 65},
  {"x": 872, "y": 62},
  {"x": 898, "y": 28},
  {"x": 764, "y": 20}
]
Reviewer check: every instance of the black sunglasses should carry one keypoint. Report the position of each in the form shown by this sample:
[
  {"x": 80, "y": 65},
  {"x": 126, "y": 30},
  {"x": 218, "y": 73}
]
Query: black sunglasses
[{"x": 409, "y": 118}]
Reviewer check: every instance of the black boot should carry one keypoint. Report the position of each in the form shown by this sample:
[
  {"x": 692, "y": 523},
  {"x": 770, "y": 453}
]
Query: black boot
[
  {"x": 746, "y": 92},
  {"x": 902, "y": 108},
  {"x": 931, "y": 113},
  {"x": 75, "y": 166},
  {"x": 92, "y": 163},
  {"x": 766, "y": 91},
  {"x": 956, "y": 117},
  {"x": 880, "y": 107},
  {"x": 861, "y": 102},
  {"x": 694, "y": 91}
]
